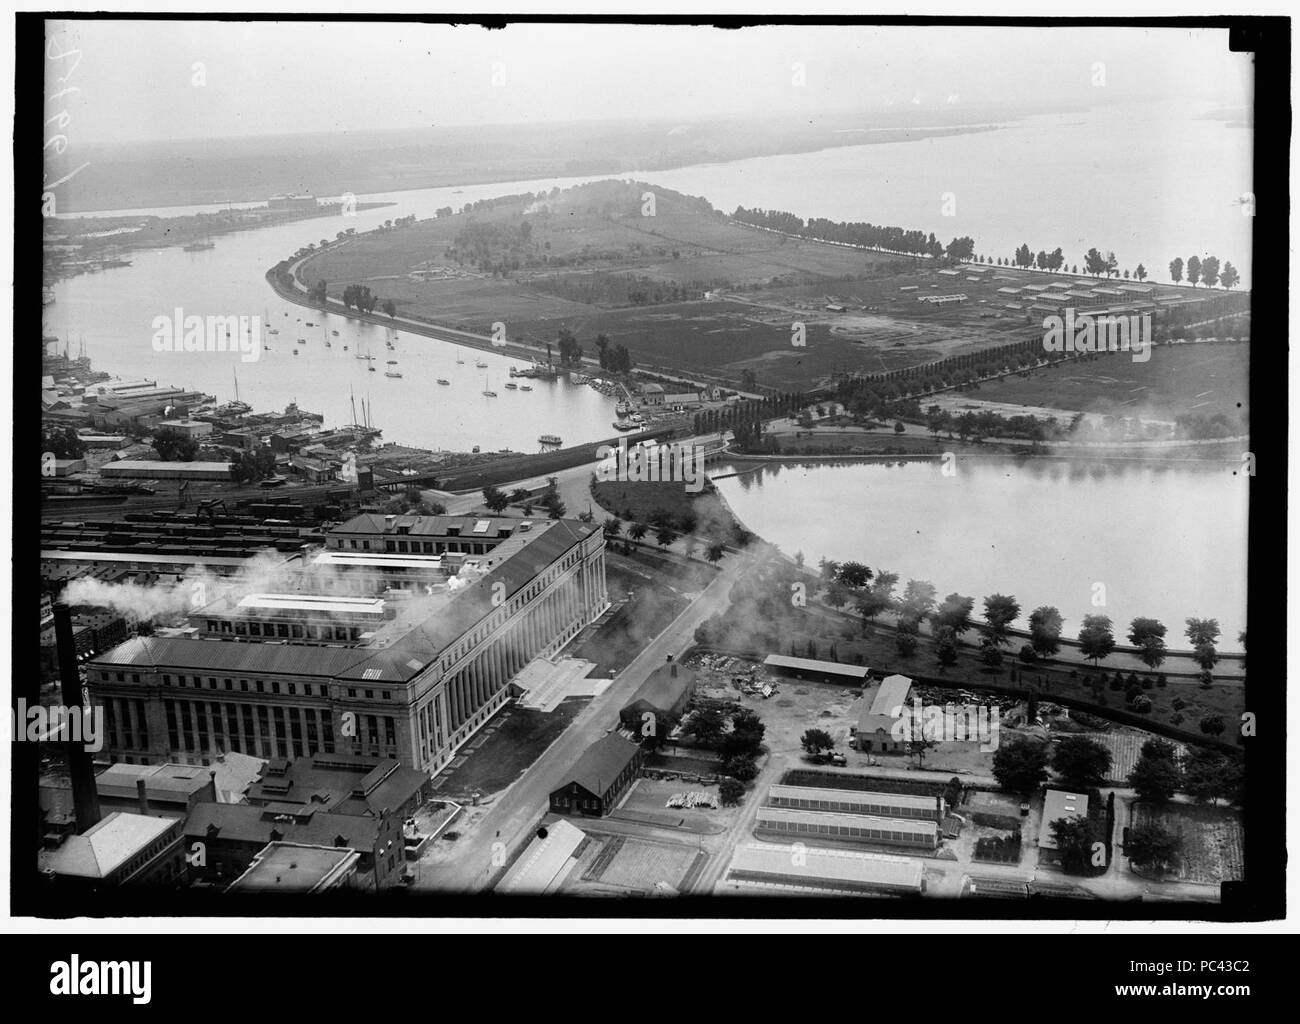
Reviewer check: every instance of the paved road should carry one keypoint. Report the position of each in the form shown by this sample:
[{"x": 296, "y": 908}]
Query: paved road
[{"x": 518, "y": 807}]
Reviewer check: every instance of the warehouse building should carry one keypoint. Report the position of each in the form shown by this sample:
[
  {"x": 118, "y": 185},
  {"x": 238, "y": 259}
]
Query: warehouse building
[
  {"x": 601, "y": 776},
  {"x": 144, "y": 469},
  {"x": 416, "y": 688},
  {"x": 546, "y": 862},
  {"x": 877, "y": 727},
  {"x": 852, "y": 801},
  {"x": 824, "y": 872},
  {"x": 850, "y": 828},
  {"x": 814, "y": 670},
  {"x": 121, "y": 849}
]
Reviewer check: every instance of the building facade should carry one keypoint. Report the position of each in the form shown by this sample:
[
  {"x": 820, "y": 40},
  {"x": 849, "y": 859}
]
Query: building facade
[{"x": 414, "y": 688}]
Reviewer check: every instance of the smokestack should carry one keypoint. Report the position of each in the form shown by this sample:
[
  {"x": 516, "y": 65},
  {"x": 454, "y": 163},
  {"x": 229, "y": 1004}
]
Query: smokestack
[
  {"x": 142, "y": 798},
  {"x": 85, "y": 796}
]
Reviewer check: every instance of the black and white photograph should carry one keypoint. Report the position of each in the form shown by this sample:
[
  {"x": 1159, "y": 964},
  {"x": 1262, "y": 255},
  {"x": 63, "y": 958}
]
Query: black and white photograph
[{"x": 558, "y": 466}]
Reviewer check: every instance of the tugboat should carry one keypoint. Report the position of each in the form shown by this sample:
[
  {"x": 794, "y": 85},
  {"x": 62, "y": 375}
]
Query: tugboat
[
  {"x": 392, "y": 373},
  {"x": 525, "y": 387},
  {"x": 512, "y": 386},
  {"x": 441, "y": 381}
]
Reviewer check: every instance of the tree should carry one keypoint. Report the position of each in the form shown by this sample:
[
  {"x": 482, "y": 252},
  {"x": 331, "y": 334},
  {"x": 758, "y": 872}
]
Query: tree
[
  {"x": 731, "y": 792},
  {"x": 906, "y": 644},
  {"x": 1202, "y": 631},
  {"x": 990, "y": 653},
  {"x": 1210, "y": 271},
  {"x": 715, "y": 552},
  {"x": 918, "y": 599},
  {"x": 817, "y": 741},
  {"x": 1209, "y": 775},
  {"x": 1075, "y": 838},
  {"x": 1212, "y": 725},
  {"x": 1045, "y": 630},
  {"x": 1176, "y": 269},
  {"x": 706, "y": 727},
  {"x": 1082, "y": 763},
  {"x": 1140, "y": 272},
  {"x": 1156, "y": 775},
  {"x": 853, "y": 575},
  {"x": 612, "y": 527},
  {"x": 1153, "y": 846},
  {"x": 1096, "y": 641},
  {"x": 1193, "y": 270},
  {"x": 740, "y": 767},
  {"x": 637, "y": 531},
  {"x": 1206, "y": 656},
  {"x": 62, "y": 442},
  {"x": 1094, "y": 263},
  {"x": 495, "y": 499},
  {"x": 173, "y": 446},
  {"x": 665, "y": 536},
  {"x": 945, "y": 646},
  {"x": 1021, "y": 766},
  {"x": 389, "y": 307},
  {"x": 1229, "y": 277},
  {"x": 954, "y": 613},
  {"x": 1000, "y": 610}
]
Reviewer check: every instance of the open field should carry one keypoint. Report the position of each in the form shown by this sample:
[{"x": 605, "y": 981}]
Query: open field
[
  {"x": 683, "y": 286},
  {"x": 1200, "y": 379}
]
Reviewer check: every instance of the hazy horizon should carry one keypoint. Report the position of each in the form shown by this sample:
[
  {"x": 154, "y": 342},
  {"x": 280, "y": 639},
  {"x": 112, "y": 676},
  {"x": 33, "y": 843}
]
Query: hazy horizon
[{"x": 158, "y": 81}]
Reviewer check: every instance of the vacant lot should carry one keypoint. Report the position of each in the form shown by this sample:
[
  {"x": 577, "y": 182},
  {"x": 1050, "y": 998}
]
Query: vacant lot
[
  {"x": 506, "y": 747},
  {"x": 1213, "y": 839}
]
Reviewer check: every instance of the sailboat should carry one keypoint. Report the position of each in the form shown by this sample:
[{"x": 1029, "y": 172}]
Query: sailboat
[
  {"x": 460, "y": 361},
  {"x": 487, "y": 391}
]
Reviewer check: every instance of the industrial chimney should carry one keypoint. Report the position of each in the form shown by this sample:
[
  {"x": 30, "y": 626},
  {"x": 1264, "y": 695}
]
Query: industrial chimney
[
  {"x": 142, "y": 798},
  {"x": 85, "y": 795}
]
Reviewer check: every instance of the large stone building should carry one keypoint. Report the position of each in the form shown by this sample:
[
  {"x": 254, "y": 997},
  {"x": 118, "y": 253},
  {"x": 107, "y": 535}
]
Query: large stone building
[{"x": 412, "y": 685}]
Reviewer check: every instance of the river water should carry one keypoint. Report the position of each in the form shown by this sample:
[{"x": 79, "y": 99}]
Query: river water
[
  {"x": 1161, "y": 541},
  {"x": 1139, "y": 180}
]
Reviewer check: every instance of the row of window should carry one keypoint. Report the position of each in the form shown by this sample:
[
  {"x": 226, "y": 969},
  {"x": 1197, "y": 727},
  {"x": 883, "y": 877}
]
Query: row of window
[
  {"x": 883, "y": 810},
  {"x": 819, "y": 828},
  {"x": 149, "y": 853},
  {"x": 284, "y": 630}
]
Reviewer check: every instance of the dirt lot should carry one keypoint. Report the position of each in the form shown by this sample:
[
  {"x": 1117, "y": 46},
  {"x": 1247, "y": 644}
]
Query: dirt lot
[
  {"x": 1213, "y": 838},
  {"x": 616, "y": 865}
]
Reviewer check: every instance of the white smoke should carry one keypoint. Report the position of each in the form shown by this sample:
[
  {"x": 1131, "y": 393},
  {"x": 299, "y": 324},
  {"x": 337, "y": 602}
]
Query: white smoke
[{"x": 171, "y": 599}]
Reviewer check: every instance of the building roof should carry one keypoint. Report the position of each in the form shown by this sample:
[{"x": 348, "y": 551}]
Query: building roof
[
  {"x": 662, "y": 690},
  {"x": 923, "y": 827},
  {"x": 834, "y": 668},
  {"x": 515, "y": 563},
  {"x": 166, "y": 782},
  {"x": 545, "y": 863},
  {"x": 338, "y": 783},
  {"x": 249, "y": 824},
  {"x": 829, "y": 868},
  {"x": 147, "y": 466},
  {"x": 106, "y": 846},
  {"x": 601, "y": 763},
  {"x": 851, "y": 796},
  {"x": 428, "y": 526},
  {"x": 891, "y": 696},
  {"x": 1058, "y": 804},
  {"x": 296, "y": 867},
  {"x": 652, "y": 389}
]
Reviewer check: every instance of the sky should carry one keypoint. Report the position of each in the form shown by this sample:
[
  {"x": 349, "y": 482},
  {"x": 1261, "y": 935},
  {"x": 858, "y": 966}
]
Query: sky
[{"x": 146, "y": 80}]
